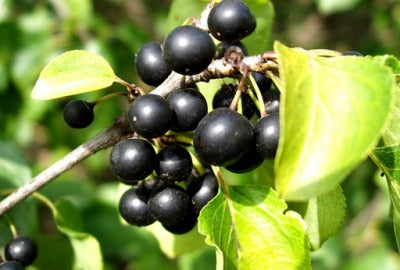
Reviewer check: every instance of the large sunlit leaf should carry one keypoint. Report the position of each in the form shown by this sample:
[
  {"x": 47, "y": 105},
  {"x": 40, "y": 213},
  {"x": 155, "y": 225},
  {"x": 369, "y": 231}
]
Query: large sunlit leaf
[
  {"x": 388, "y": 160},
  {"x": 72, "y": 73},
  {"x": 391, "y": 135},
  {"x": 324, "y": 216},
  {"x": 87, "y": 253},
  {"x": 333, "y": 112},
  {"x": 250, "y": 229}
]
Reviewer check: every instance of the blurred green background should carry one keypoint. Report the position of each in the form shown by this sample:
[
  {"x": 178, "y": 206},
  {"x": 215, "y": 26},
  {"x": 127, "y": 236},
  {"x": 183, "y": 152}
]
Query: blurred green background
[{"x": 33, "y": 134}]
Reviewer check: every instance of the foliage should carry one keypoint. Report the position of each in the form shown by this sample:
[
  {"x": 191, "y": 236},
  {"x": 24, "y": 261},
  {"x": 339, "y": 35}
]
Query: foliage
[{"x": 334, "y": 113}]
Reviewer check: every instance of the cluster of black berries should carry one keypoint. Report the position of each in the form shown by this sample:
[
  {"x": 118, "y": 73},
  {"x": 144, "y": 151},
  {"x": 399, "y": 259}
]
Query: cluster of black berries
[
  {"x": 19, "y": 252},
  {"x": 176, "y": 192}
]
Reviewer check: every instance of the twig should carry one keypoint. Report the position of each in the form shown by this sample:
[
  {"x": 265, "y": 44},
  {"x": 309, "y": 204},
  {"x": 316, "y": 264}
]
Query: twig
[{"x": 107, "y": 138}]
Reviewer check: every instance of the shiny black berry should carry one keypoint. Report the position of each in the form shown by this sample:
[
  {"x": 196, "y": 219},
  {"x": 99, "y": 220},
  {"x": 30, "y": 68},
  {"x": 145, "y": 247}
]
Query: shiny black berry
[
  {"x": 263, "y": 82},
  {"x": 174, "y": 163},
  {"x": 222, "y": 136},
  {"x": 231, "y": 20},
  {"x": 266, "y": 134},
  {"x": 22, "y": 249},
  {"x": 222, "y": 47},
  {"x": 187, "y": 223},
  {"x": 272, "y": 101},
  {"x": 202, "y": 190},
  {"x": 250, "y": 160},
  {"x": 150, "y": 116},
  {"x": 188, "y": 50},
  {"x": 150, "y": 64},
  {"x": 133, "y": 206},
  {"x": 189, "y": 107},
  {"x": 224, "y": 97},
  {"x": 170, "y": 204},
  {"x": 132, "y": 160},
  {"x": 11, "y": 265},
  {"x": 78, "y": 113}
]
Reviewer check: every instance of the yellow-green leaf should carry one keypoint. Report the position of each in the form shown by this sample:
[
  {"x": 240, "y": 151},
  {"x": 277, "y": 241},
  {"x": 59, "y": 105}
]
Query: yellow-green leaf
[
  {"x": 72, "y": 73},
  {"x": 333, "y": 112}
]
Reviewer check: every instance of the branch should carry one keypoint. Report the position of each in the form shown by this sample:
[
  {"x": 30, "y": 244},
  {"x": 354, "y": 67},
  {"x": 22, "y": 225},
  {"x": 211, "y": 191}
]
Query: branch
[{"x": 105, "y": 139}]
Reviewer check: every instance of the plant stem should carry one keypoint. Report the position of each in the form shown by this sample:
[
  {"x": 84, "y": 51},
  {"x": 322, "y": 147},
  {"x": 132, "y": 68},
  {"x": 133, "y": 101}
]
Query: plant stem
[
  {"x": 13, "y": 229},
  {"x": 261, "y": 105},
  {"x": 101, "y": 99}
]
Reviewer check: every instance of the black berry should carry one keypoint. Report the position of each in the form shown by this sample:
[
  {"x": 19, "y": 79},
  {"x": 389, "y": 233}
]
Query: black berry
[
  {"x": 187, "y": 223},
  {"x": 231, "y": 20},
  {"x": 169, "y": 204},
  {"x": 272, "y": 101},
  {"x": 189, "y": 107},
  {"x": 174, "y": 163},
  {"x": 22, "y": 249},
  {"x": 150, "y": 116},
  {"x": 222, "y": 136},
  {"x": 250, "y": 160},
  {"x": 202, "y": 190},
  {"x": 150, "y": 64},
  {"x": 133, "y": 206},
  {"x": 188, "y": 50},
  {"x": 224, "y": 97},
  {"x": 78, "y": 113},
  {"x": 263, "y": 82},
  {"x": 132, "y": 160},
  {"x": 266, "y": 133},
  {"x": 11, "y": 265}
]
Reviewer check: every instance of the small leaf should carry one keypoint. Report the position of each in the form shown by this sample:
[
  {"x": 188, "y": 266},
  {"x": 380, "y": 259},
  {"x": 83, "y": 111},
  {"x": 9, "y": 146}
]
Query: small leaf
[
  {"x": 324, "y": 215},
  {"x": 388, "y": 160},
  {"x": 333, "y": 112},
  {"x": 72, "y": 73},
  {"x": 250, "y": 230},
  {"x": 86, "y": 248}
]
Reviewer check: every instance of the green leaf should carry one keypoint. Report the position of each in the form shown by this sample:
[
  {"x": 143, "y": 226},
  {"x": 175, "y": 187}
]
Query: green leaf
[
  {"x": 250, "y": 229},
  {"x": 333, "y": 112},
  {"x": 72, "y": 73},
  {"x": 388, "y": 160},
  {"x": 87, "y": 253},
  {"x": 324, "y": 216},
  {"x": 180, "y": 10},
  {"x": 174, "y": 245},
  {"x": 391, "y": 135}
]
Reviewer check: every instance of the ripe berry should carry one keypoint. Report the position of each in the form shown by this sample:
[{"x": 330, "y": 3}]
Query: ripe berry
[
  {"x": 222, "y": 136},
  {"x": 189, "y": 107},
  {"x": 132, "y": 160},
  {"x": 170, "y": 204},
  {"x": 174, "y": 163},
  {"x": 22, "y": 249},
  {"x": 272, "y": 101},
  {"x": 188, "y": 50},
  {"x": 224, "y": 97},
  {"x": 78, "y": 113},
  {"x": 231, "y": 20},
  {"x": 150, "y": 116},
  {"x": 187, "y": 223},
  {"x": 263, "y": 82},
  {"x": 11, "y": 265},
  {"x": 133, "y": 206},
  {"x": 250, "y": 160},
  {"x": 222, "y": 47},
  {"x": 202, "y": 190},
  {"x": 150, "y": 64},
  {"x": 266, "y": 133}
]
